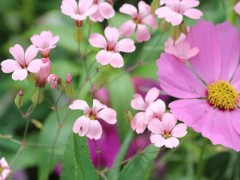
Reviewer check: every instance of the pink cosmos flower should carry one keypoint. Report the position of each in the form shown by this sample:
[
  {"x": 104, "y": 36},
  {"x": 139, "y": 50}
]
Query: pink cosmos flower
[
  {"x": 209, "y": 85},
  {"x": 4, "y": 169},
  {"x": 43, "y": 73},
  {"x": 44, "y": 42},
  {"x": 112, "y": 48},
  {"x": 88, "y": 124},
  {"x": 139, "y": 122},
  {"x": 23, "y": 63},
  {"x": 181, "y": 48},
  {"x": 104, "y": 11},
  {"x": 139, "y": 22},
  {"x": 166, "y": 131},
  {"x": 237, "y": 8},
  {"x": 174, "y": 10},
  {"x": 79, "y": 11}
]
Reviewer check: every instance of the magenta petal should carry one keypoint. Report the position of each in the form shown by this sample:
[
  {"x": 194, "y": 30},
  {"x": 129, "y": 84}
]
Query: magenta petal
[
  {"x": 19, "y": 74},
  {"x": 236, "y": 80},
  {"x": 207, "y": 63},
  {"x": 177, "y": 80}
]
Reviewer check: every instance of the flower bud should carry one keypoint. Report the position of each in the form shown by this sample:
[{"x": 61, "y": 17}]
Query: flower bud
[
  {"x": 69, "y": 89},
  {"x": 38, "y": 95},
  {"x": 18, "y": 99},
  {"x": 53, "y": 80},
  {"x": 129, "y": 116}
]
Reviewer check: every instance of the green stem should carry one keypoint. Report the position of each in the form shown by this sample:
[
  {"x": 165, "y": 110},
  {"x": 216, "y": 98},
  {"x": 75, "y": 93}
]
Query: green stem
[{"x": 200, "y": 167}]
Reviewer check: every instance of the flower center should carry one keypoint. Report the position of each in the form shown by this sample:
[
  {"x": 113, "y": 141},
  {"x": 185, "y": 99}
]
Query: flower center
[
  {"x": 137, "y": 20},
  {"x": 222, "y": 95},
  {"x": 92, "y": 115},
  {"x": 166, "y": 135}
]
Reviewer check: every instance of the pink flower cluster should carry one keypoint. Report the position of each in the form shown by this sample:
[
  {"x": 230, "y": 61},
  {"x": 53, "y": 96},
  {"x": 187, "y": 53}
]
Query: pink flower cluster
[{"x": 152, "y": 115}]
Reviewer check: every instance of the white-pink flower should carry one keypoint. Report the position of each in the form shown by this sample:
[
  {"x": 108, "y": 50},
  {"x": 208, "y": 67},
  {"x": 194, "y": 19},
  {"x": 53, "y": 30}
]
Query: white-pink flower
[
  {"x": 78, "y": 11},
  {"x": 166, "y": 131},
  {"x": 139, "y": 122},
  {"x": 4, "y": 169},
  {"x": 181, "y": 48},
  {"x": 141, "y": 19},
  {"x": 88, "y": 124},
  {"x": 111, "y": 47},
  {"x": 104, "y": 10},
  {"x": 43, "y": 73},
  {"x": 44, "y": 42},
  {"x": 237, "y": 8},
  {"x": 23, "y": 63},
  {"x": 174, "y": 10}
]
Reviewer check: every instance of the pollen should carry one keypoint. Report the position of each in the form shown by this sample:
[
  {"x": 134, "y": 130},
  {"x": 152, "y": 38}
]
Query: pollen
[{"x": 222, "y": 95}]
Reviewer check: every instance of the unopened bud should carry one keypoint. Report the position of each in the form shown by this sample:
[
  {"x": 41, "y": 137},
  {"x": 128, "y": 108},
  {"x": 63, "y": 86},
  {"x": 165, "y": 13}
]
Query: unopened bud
[
  {"x": 37, "y": 124},
  {"x": 69, "y": 78},
  {"x": 78, "y": 35},
  {"x": 38, "y": 95},
  {"x": 18, "y": 99},
  {"x": 53, "y": 80},
  {"x": 129, "y": 116}
]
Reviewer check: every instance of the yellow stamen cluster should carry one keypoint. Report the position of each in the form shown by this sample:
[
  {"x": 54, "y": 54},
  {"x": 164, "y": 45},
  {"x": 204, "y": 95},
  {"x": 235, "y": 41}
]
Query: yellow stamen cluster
[{"x": 222, "y": 95}]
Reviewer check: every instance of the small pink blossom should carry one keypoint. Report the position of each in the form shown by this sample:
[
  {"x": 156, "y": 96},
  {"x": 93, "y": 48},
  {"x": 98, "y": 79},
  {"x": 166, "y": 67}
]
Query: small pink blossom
[
  {"x": 166, "y": 131},
  {"x": 237, "y": 8},
  {"x": 43, "y": 73},
  {"x": 181, "y": 48},
  {"x": 4, "y": 169},
  {"x": 111, "y": 47},
  {"x": 23, "y": 63},
  {"x": 174, "y": 10},
  {"x": 44, "y": 42},
  {"x": 53, "y": 80},
  {"x": 79, "y": 11},
  {"x": 88, "y": 124},
  {"x": 140, "y": 21},
  {"x": 69, "y": 78},
  {"x": 104, "y": 11}
]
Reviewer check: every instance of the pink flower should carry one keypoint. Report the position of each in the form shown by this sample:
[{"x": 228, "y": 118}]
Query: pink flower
[
  {"x": 4, "y": 169},
  {"x": 181, "y": 49},
  {"x": 209, "y": 85},
  {"x": 79, "y": 11},
  {"x": 139, "y": 22},
  {"x": 139, "y": 122},
  {"x": 237, "y": 8},
  {"x": 88, "y": 124},
  {"x": 112, "y": 48},
  {"x": 104, "y": 11},
  {"x": 43, "y": 73},
  {"x": 174, "y": 10},
  {"x": 53, "y": 80},
  {"x": 165, "y": 131},
  {"x": 23, "y": 63},
  {"x": 44, "y": 42}
]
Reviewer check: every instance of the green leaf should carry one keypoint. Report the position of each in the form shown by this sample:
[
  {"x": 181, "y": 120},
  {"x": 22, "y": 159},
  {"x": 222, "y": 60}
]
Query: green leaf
[
  {"x": 140, "y": 165},
  {"x": 121, "y": 92},
  {"x": 77, "y": 164},
  {"x": 114, "y": 173}
]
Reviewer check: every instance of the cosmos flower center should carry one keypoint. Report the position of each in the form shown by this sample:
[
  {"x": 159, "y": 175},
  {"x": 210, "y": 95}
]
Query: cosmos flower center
[{"x": 222, "y": 95}]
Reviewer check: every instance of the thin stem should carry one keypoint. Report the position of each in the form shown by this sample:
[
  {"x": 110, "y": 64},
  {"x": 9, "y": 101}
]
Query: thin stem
[{"x": 201, "y": 162}]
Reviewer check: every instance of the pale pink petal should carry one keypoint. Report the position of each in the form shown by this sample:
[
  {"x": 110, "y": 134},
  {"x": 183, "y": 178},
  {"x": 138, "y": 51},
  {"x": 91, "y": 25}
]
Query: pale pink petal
[
  {"x": 236, "y": 80},
  {"x": 95, "y": 130},
  {"x": 171, "y": 142},
  {"x": 103, "y": 57},
  {"x": 172, "y": 3},
  {"x": 84, "y": 5},
  {"x": 82, "y": 125},
  {"x": 91, "y": 10},
  {"x": 137, "y": 102},
  {"x": 137, "y": 123},
  {"x": 97, "y": 40},
  {"x": 54, "y": 41},
  {"x": 157, "y": 140},
  {"x": 127, "y": 28},
  {"x": 78, "y": 17},
  {"x": 5, "y": 173},
  {"x": 128, "y": 9},
  {"x": 190, "y": 3},
  {"x": 237, "y": 8},
  {"x": 125, "y": 45},
  {"x": 37, "y": 40},
  {"x": 177, "y": 80},
  {"x": 207, "y": 63},
  {"x": 9, "y": 66},
  {"x": 168, "y": 121},
  {"x": 106, "y": 10},
  {"x": 152, "y": 95},
  {"x": 155, "y": 110},
  {"x": 143, "y": 34},
  {"x": 18, "y": 53},
  {"x": 30, "y": 54},
  {"x": 193, "y": 13},
  {"x": 192, "y": 52},
  {"x": 69, "y": 7},
  {"x": 34, "y": 66},
  {"x": 112, "y": 34},
  {"x": 97, "y": 105},
  {"x": 108, "y": 115},
  {"x": 174, "y": 18},
  {"x": 162, "y": 12},
  {"x": 180, "y": 130},
  {"x": 3, "y": 162},
  {"x": 150, "y": 20},
  {"x": 229, "y": 48},
  {"x": 144, "y": 8},
  {"x": 156, "y": 126},
  {"x": 97, "y": 16},
  {"x": 79, "y": 104},
  {"x": 169, "y": 43},
  {"x": 116, "y": 60},
  {"x": 78, "y": 124},
  {"x": 19, "y": 74}
]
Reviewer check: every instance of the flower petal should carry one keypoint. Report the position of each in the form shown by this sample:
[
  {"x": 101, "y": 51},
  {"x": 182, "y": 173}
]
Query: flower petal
[
  {"x": 143, "y": 34},
  {"x": 18, "y": 53},
  {"x": 95, "y": 130},
  {"x": 152, "y": 95},
  {"x": 97, "y": 40},
  {"x": 106, "y": 10},
  {"x": 125, "y": 45},
  {"x": 34, "y": 66},
  {"x": 128, "y": 9},
  {"x": 155, "y": 110},
  {"x": 69, "y": 7},
  {"x": 108, "y": 115},
  {"x": 127, "y": 28},
  {"x": 103, "y": 57},
  {"x": 19, "y": 74},
  {"x": 157, "y": 140},
  {"x": 180, "y": 130},
  {"x": 143, "y": 8},
  {"x": 79, "y": 104},
  {"x": 9, "y": 66},
  {"x": 168, "y": 121},
  {"x": 156, "y": 126},
  {"x": 150, "y": 20},
  {"x": 116, "y": 60},
  {"x": 97, "y": 105},
  {"x": 193, "y": 13},
  {"x": 112, "y": 34},
  {"x": 137, "y": 102},
  {"x": 137, "y": 123},
  {"x": 171, "y": 142}
]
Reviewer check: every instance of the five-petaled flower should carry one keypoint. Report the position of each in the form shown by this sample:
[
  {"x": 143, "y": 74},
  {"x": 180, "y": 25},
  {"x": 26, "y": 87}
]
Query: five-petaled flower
[
  {"x": 88, "y": 124},
  {"x": 4, "y": 169},
  {"x": 174, "y": 10},
  {"x": 112, "y": 48},
  {"x": 23, "y": 63},
  {"x": 139, "y": 22},
  {"x": 237, "y": 8},
  {"x": 165, "y": 131}
]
